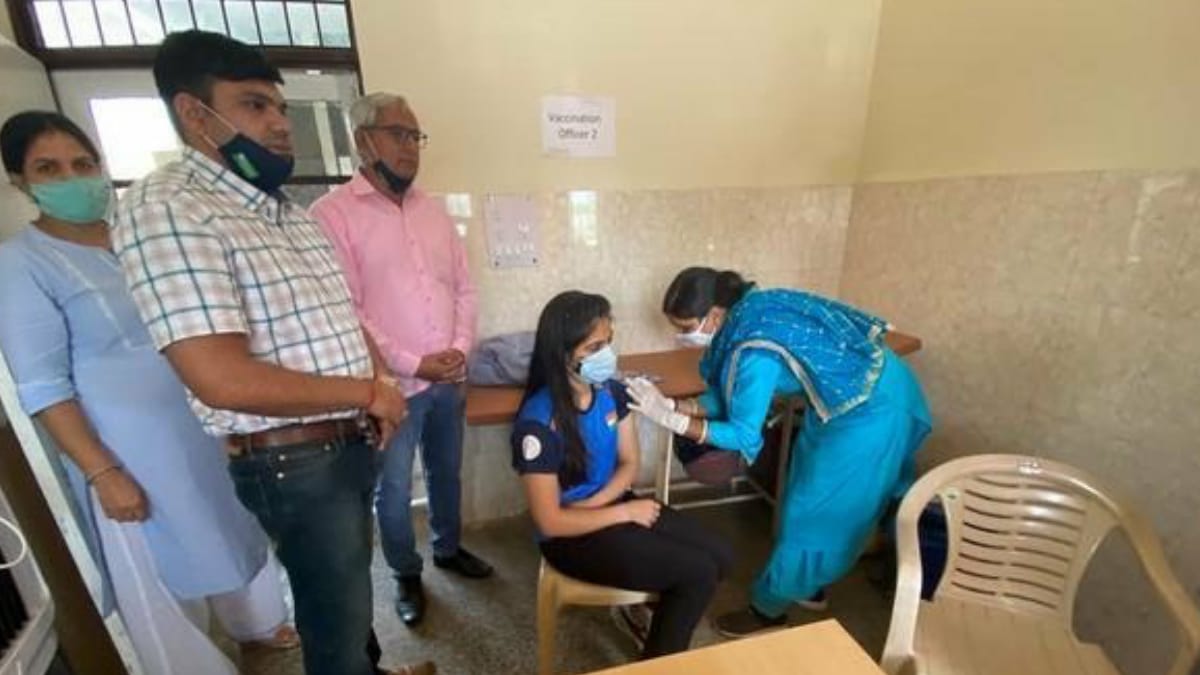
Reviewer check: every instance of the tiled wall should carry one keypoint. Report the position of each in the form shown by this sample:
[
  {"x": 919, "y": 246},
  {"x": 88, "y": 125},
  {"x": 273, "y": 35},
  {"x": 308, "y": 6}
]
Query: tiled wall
[
  {"x": 627, "y": 246},
  {"x": 1061, "y": 317}
]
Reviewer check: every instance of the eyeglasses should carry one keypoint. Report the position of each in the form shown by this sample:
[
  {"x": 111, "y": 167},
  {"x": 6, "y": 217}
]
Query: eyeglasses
[{"x": 402, "y": 134}]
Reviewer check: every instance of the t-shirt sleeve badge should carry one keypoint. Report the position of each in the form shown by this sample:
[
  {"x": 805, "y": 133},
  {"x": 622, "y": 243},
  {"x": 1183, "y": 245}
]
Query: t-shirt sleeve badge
[{"x": 531, "y": 448}]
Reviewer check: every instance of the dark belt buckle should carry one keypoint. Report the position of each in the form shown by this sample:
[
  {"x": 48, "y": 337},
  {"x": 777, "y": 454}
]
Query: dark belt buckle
[{"x": 236, "y": 446}]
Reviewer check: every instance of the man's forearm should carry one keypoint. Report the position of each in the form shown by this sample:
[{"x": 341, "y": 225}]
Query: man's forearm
[
  {"x": 220, "y": 371},
  {"x": 270, "y": 390}
]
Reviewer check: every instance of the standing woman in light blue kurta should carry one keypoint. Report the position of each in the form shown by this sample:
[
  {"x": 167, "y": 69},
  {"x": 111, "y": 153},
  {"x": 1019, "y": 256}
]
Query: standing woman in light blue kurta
[
  {"x": 170, "y": 535},
  {"x": 865, "y": 418}
]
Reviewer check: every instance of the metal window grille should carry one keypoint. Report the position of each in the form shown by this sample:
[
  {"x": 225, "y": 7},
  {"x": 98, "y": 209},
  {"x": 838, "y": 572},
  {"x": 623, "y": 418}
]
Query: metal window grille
[{"x": 75, "y": 24}]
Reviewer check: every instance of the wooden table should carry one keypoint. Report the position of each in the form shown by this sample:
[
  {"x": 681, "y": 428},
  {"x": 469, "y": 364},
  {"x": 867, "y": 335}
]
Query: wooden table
[
  {"x": 678, "y": 369},
  {"x": 822, "y": 648}
]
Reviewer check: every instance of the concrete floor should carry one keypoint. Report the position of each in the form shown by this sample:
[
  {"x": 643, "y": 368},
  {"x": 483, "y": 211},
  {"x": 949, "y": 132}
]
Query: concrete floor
[{"x": 487, "y": 627}]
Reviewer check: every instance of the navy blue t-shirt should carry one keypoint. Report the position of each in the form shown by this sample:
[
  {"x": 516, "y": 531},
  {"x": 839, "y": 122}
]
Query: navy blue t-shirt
[{"x": 538, "y": 448}]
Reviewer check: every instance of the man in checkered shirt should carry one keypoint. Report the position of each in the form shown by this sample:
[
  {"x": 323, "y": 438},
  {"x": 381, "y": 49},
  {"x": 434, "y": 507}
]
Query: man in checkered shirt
[{"x": 242, "y": 293}]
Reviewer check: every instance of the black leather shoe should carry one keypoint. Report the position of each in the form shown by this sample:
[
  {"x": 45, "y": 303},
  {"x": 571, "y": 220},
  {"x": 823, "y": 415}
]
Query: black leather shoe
[
  {"x": 465, "y": 563},
  {"x": 410, "y": 600}
]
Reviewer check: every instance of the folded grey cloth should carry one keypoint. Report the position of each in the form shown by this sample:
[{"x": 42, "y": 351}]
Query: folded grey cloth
[{"x": 501, "y": 360}]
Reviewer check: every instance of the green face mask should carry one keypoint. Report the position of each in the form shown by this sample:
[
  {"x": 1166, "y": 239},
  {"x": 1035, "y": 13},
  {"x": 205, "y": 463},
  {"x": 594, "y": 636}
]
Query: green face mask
[{"x": 75, "y": 200}]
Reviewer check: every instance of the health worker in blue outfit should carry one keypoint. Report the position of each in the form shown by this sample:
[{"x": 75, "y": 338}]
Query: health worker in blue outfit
[
  {"x": 864, "y": 420},
  {"x": 575, "y": 447}
]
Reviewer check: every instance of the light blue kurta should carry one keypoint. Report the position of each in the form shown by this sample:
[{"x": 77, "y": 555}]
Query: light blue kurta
[
  {"x": 69, "y": 330},
  {"x": 843, "y": 473}
]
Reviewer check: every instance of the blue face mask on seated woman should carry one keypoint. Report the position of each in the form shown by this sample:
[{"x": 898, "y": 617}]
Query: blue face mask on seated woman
[{"x": 599, "y": 367}]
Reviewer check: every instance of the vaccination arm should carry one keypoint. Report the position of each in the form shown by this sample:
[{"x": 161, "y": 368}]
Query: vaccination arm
[{"x": 735, "y": 425}]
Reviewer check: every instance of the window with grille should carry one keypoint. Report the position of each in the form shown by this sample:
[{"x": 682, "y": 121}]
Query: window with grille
[
  {"x": 68, "y": 24},
  {"x": 121, "y": 111},
  {"x": 99, "y": 52}
]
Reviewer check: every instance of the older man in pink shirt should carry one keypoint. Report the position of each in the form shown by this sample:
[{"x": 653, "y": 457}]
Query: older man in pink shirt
[{"x": 407, "y": 271}]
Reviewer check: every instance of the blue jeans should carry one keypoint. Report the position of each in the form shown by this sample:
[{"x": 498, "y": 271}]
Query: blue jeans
[
  {"x": 313, "y": 500},
  {"x": 435, "y": 422}
]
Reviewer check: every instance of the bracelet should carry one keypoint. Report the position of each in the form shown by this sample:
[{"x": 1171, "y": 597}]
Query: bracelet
[
  {"x": 703, "y": 432},
  {"x": 91, "y": 478},
  {"x": 689, "y": 407}
]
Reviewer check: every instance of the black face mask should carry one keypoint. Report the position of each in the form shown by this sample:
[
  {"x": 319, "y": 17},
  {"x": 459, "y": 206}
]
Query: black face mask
[
  {"x": 395, "y": 182},
  {"x": 262, "y": 168}
]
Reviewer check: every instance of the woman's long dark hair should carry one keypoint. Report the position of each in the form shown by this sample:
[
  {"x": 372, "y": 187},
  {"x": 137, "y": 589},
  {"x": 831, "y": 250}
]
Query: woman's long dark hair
[
  {"x": 696, "y": 290},
  {"x": 566, "y": 321}
]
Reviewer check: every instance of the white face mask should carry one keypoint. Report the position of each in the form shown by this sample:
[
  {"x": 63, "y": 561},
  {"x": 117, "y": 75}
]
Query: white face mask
[{"x": 696, "y": 338}]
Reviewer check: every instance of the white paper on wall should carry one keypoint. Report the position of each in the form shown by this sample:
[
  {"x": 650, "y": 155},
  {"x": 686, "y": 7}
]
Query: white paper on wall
[
  {"x": 579, "y": 126},
  {"x": 512, "y": 231}
]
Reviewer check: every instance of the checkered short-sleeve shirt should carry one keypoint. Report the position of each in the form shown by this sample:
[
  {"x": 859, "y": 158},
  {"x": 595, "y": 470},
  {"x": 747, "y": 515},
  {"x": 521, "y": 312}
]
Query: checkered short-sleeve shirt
[{"x": 204, "y": 252}]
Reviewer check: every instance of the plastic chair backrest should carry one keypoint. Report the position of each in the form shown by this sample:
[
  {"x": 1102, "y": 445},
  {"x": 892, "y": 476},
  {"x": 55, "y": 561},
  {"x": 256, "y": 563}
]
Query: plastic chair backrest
[
  {"x": 1021, "y": 533},
  {"x": 1020, "y": 536}
]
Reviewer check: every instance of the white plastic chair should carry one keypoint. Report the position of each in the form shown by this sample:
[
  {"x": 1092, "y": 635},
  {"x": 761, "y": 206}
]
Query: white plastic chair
[
  {"x": 1021, "y": 531},
  {"x": 557, "y": 590}
]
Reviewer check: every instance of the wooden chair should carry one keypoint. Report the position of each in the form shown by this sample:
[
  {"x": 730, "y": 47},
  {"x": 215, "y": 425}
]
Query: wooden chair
[
  {"x": 557, "y": 590},
  {"x": 1021, "y": 532}
]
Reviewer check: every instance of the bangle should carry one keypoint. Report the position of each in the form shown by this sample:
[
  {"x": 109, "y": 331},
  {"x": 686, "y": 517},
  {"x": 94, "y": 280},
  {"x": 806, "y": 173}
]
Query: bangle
[
  {"x": 703, "y": 432},
  {"x": 689, "y": 407},
  {"x": 91, "y": 478}
]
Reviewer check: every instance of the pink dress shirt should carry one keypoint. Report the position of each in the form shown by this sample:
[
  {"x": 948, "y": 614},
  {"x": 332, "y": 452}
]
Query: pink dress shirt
[{"x": 407, "y": 271}]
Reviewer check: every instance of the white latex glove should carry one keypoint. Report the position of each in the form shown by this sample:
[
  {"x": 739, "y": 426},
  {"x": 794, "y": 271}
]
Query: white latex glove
[
  {"x": 651, "y": 403},
  {"x": 646, "y": 393}
]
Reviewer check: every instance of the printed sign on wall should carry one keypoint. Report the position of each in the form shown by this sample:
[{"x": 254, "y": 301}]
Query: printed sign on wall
[{"x": 579, "y": 126}]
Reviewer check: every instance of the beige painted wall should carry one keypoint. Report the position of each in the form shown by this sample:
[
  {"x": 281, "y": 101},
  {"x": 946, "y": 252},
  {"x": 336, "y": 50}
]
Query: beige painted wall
[
  {"x": 966, "y": 87},
  {"x": 1059, "y": 313},
  {"x": 6, "y": 28},
  {"x": 716, "y": 94},
  {"x": 1032, "y": 210}
]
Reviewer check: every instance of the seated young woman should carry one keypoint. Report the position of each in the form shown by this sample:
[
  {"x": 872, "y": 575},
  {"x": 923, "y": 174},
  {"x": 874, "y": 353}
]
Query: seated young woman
[{"x": 575, "y": 446}]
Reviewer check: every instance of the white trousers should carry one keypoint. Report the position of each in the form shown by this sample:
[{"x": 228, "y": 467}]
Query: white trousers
[{"x": 170, "y": 635}]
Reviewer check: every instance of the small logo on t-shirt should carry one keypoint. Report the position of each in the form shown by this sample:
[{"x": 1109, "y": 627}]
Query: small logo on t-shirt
[
  {"x": 531, "y": 447},
  {"x": 611, "y": 419}
]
